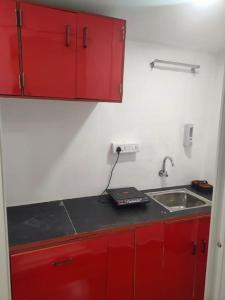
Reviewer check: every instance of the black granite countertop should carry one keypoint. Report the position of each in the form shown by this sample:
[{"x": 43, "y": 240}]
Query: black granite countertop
[{"x": 45, "y": 221}]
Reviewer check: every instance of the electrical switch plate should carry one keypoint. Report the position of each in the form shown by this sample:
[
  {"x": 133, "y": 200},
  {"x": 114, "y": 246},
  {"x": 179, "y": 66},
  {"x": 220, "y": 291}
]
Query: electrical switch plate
[{"x": 126, "y": 147}]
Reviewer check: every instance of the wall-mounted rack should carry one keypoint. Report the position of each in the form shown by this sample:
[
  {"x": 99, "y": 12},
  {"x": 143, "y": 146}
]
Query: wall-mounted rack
[{"x": 166, "y": 64}]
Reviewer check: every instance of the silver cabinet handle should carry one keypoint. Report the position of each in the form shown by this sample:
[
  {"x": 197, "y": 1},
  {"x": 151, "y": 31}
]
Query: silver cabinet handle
[
  {"x": 85, "y": 33},
  {"x": 194, "y": 248},
  {"x": 68, "y": 33},
  {"x": 204, "y": 246}
]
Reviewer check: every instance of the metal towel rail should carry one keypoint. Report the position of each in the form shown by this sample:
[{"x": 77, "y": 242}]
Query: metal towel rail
[{"x": 157, "y": 62}]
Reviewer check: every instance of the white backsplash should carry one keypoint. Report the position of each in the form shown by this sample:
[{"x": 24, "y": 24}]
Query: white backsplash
[{"x": 56, "y": 150}]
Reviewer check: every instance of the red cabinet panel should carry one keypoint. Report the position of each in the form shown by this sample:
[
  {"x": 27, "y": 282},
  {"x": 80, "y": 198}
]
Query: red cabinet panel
[
  {"x": 118, "y": 48},
  {"x": 100, "y": 48},
  {"x": 49, "y": 58},
  {"x": 149, "y": 262},
  {"x": 9, "y": 54},
  {"x": 203, "y": 238},
  {"x": 120, "y": 267},
  {"x": 75, "y": 271},
  {"x": 180, "y": 259}
]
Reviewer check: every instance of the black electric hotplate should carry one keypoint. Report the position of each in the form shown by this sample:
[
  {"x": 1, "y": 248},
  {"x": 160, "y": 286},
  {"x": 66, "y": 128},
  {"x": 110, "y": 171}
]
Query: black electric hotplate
[{"x": 127, "y": 196}]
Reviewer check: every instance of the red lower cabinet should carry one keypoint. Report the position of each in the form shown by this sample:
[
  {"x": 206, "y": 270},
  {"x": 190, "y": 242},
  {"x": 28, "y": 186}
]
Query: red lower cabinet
[
  {"x": 75, "y": 271},
  {"x": 158, "y": 261},
  {"x": 203, "y": 237},
  {"x": 149, "y": 262},
  {"x": 120, "y": 283},
  {"x": 180, "y": 259}
]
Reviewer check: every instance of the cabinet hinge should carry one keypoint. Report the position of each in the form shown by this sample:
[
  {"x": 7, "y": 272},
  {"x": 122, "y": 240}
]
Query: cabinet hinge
[
  {"x": 21, "y": 81},
  {"x": 123, "y": 33},
  {"x": 19, "y": 18},
  {"x": 121, "y": 89}
]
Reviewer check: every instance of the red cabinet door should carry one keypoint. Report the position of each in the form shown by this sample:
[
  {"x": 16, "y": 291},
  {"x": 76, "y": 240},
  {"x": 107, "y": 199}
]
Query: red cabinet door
[
  {"x": 100, "y": 48},
  {"x": 149, "y": 262},
  {"x": 203, "y": 238},
  {"x": 180, "y": 259},
  {"x": 120, "y": 281},
  {"x": 75, "y": 271},
  {"x": 49, "y": 52},
  {"x": 118, "y": 49},
  {"x": 9, "y": 53}
]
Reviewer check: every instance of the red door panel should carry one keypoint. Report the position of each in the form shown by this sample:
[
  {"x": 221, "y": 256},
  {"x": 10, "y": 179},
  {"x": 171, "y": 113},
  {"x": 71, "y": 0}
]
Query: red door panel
[
  {"x": 75, "y": 271},
  {"x": 180, "y": 259},
  {"x": 9, "y": 53},
  {"x": 94, "y": 56},
  {"x": 120, "y": 266},
  {"x": 149, "y": 262},
  {"x": 203, "y": 238},
  {"x": 118, "y": 48},
  {"x": 100, "y": 52},
  {"x": 49, "y": 57}
]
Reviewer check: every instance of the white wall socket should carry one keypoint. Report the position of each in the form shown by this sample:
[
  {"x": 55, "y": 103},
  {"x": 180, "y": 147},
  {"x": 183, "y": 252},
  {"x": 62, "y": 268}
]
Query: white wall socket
[{"x": 126, "y": 147}]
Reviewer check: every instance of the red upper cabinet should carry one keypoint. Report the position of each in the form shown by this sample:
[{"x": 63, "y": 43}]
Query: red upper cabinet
[
  {"x": 49, "y": 52},
  {"x": 120, "y": 279},
  {"x": 203, "y": 238},
  {"x": 180, "y": 259},
  {"x": 9, "y": 54},
  {"x": 149, "y": 262},
  {"x": 75, "y": 271},
  {"x": 100, "y": 57}
]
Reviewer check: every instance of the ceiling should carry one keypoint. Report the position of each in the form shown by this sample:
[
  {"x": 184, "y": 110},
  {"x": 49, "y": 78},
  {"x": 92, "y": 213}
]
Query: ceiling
[{"x": 178, "y": 23}]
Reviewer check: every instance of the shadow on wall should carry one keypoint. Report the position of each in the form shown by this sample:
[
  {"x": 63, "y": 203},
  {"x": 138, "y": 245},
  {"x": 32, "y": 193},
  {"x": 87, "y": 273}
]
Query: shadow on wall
[
  {"x": 188, "y": 152},
  {"x": 50, "y": 126}
]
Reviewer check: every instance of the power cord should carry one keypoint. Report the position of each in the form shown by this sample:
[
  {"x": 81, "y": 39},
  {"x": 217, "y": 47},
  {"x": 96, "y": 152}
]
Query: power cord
[{"x": 118, "y": 150}]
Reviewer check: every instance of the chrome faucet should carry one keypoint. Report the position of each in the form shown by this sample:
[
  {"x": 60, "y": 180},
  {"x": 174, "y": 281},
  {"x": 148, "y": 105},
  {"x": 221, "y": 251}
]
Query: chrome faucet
[{"x": 163, "y": 172}]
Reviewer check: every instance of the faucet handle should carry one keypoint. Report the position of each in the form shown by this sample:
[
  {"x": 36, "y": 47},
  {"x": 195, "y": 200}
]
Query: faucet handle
[{"x": 161, "y": 173}]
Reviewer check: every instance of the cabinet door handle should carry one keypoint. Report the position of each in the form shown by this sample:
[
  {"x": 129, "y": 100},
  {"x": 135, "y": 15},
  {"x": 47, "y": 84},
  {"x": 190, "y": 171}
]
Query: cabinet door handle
[
  {"x": 194, "y": 248},
  {"x": 85, "y": 33},
  {"x": 68, "y": 33},
  {"x": 204, "y": 246},
  {"x": 63, "y": 262}
]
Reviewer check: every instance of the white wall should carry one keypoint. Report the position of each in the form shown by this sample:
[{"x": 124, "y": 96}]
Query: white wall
[
  {"x": 213, "y": 113},
  {"x": 56, "y": 150}
]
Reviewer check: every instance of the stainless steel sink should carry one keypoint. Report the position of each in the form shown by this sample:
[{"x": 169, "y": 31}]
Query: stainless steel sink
[{"x": 179, "y": 199}]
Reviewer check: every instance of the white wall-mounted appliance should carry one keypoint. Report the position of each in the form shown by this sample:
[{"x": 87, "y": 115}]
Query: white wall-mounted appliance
[{"x": 188, "y": 135}]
